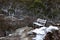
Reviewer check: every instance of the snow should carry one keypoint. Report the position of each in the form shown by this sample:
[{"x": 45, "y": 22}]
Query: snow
[
  {"x": 41, "y": 20},
  {"x": 10, "y": 34},
  {"x": 37, "y": 24},
  {"x": 41, "y": 32},
  {"x": 50, "y": 28}
]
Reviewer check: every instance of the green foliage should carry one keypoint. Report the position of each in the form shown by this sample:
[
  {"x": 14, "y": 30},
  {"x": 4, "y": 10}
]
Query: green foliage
[
  {"x": 44, "y": 5},
  {"x": 37, "y": 0}
]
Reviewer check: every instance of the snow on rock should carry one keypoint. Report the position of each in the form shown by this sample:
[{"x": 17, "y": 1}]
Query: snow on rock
[
  {"x": 40, "y": 22},
  {"x": 50, "y": 28},
  {"x": 41, "y": 32},
  {"x": 37, "y": 24}
]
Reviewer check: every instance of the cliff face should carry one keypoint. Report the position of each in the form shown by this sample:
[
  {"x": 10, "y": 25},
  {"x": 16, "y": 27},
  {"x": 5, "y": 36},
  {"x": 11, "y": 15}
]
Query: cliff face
[{"x": 20, "y": 13}]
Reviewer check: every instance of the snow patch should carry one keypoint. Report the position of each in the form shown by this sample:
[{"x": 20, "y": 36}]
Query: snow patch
[{"x": 41, "y": 32}]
